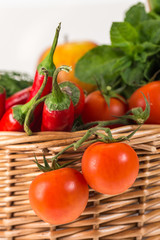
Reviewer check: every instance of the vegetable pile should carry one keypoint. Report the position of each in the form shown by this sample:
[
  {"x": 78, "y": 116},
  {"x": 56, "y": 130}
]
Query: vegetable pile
[{"x": 126, "y": 93}]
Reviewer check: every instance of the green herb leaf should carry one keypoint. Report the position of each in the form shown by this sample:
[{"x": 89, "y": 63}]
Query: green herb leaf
[
  {"x": 150, "y": 31},
  {"x": 133, "y": 76},
  {"x": 123, "y": 34},
  {"x": 14, "y": 81},
  {"x": 104, "y": 61},
  {"x": 133, "y": 56},
  {"x": 136, "y": 14}
]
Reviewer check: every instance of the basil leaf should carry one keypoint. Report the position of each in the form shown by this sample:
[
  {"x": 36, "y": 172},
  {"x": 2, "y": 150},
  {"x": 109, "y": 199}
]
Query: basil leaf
[
  {"x": 133, "y": 76},
  {"x": 14, "y": 81},
  {"x": 104, "y": 61},
  {"x": 150, "y": 31},
  {"x": 136, "y": 14},
  {"x": 123, "y": 34}
]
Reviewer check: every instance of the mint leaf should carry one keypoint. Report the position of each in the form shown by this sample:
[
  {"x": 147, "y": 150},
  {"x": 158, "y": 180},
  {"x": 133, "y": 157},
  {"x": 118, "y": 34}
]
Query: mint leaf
[
  {"x": 136, "y": 14},
  {"x": 150, "y": 31},
  {"x": 102, "y": 61},
  {"x": 134, "y": 75},
  {"x": 123, "y": 34}
]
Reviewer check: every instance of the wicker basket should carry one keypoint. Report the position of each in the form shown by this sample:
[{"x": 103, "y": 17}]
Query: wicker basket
[{"x": 132, "y": 215}]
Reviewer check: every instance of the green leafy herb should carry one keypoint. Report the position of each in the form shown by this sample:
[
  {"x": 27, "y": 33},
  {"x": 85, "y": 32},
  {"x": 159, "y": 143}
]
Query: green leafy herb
[
  {"x": 14, "y": 81},
  {"x": 133, "y": 56}
]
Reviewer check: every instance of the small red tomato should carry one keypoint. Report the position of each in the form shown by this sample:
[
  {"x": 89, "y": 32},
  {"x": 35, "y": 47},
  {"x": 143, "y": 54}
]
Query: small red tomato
[
  {"x": 96, "y": 108},
  {"x": 152, "y": 93},
  {"x": 59, "y": 196},
  {"x": 110, "y": 168}
]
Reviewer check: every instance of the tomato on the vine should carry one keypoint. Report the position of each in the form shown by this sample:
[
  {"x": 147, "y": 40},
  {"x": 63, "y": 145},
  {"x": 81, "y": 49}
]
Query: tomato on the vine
[
  {"x": 152, "y": 93},
  {"x": 110, "y": 168},
  {"x": 96, "y": 108},
  {"x": 59, "y": 196}
]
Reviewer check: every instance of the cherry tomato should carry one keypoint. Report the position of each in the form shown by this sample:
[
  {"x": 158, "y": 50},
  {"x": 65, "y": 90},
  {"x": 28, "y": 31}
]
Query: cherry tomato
[
  {"x": 59, "y": 196},
  {"x": 110, "y": 168},
  {"x": 152, "y": 93},
  {"x": 96, "y": 108}
]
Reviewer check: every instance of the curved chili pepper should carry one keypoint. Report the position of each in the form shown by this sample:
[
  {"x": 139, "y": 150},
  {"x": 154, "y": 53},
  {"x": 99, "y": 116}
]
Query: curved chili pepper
[
  {"x": 58, "y": 110},
  {"x": 14, "y": 117},
  {"x": 19, "y": 97},
  {"x": 2, "y": 101},
  {"x": 76, "y": 94},
  {"x": 48, "y": 64}
]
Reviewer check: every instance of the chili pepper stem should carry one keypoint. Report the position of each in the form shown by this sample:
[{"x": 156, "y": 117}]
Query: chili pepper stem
[
  {"x": 30, "y": 114},
  {"x": 56, "y": 91},
  {"x": 48, "y": 61},
  {"x": 54, "y": 44},
  {"x": 27, "y": 106},
  {"x": 33, "y": 104}
]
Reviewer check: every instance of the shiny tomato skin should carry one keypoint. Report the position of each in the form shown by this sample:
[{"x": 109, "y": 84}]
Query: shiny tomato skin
[
  {"x": 152, "y": 93},
  {"x": 110, "y": 168},
  {"x": 96, "y": 108},
  {"x": 59, "y": 196}
]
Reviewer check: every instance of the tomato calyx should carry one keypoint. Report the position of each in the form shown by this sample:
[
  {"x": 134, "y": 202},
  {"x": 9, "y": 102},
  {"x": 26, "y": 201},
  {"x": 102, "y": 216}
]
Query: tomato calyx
[
  {"x": 109, "y": 92},
  {"x": 137, "y": 114},
  {"x": 54, "y": 166}
]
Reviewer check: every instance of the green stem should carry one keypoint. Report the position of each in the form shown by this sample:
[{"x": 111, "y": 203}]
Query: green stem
[
  {"x": 27, "y": 106},
  {"x": 30, "y": 106},
  {"x": 105, "y": 137},
  {"x": 102, "y": 123},
  {"x": 29, "y": 115},
  {"x": 54, "y": 44},
  {"x": 135, "y": 114},
  {"x": 48, "y": 61},
  {"x": 56, "y": 91}
]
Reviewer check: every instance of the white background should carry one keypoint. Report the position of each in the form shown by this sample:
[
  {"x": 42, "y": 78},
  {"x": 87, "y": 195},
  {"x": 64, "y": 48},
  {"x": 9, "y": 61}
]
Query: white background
[{"x": 27, "y": 27}]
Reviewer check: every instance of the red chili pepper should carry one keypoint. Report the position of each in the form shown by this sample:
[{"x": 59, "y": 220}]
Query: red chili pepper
[
  {"x": 76, "y": 94},
  {"x": 19, "y": 97},
  {"x": 58, "y": 110},
  {"x": 48, "y": 64},
  {"x": 14, "y": 117},
  {"x": 2, "y": 101}
]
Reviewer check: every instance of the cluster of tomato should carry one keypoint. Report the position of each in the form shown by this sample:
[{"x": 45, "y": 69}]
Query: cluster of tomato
[{"x": 60, "y": 196}]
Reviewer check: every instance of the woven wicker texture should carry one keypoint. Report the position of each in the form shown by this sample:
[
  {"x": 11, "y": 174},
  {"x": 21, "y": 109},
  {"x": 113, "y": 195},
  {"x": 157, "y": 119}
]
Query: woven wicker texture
[{"x": 133, "y": 215}]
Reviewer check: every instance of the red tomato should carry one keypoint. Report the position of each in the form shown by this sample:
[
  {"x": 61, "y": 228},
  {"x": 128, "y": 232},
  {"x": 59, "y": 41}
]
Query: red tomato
[
  {"x": 96, "y": 108},
  {"x": 110, "y": 168},
  {"x": 152, "y": 93},
  {"x": 59, "y": 196}
]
